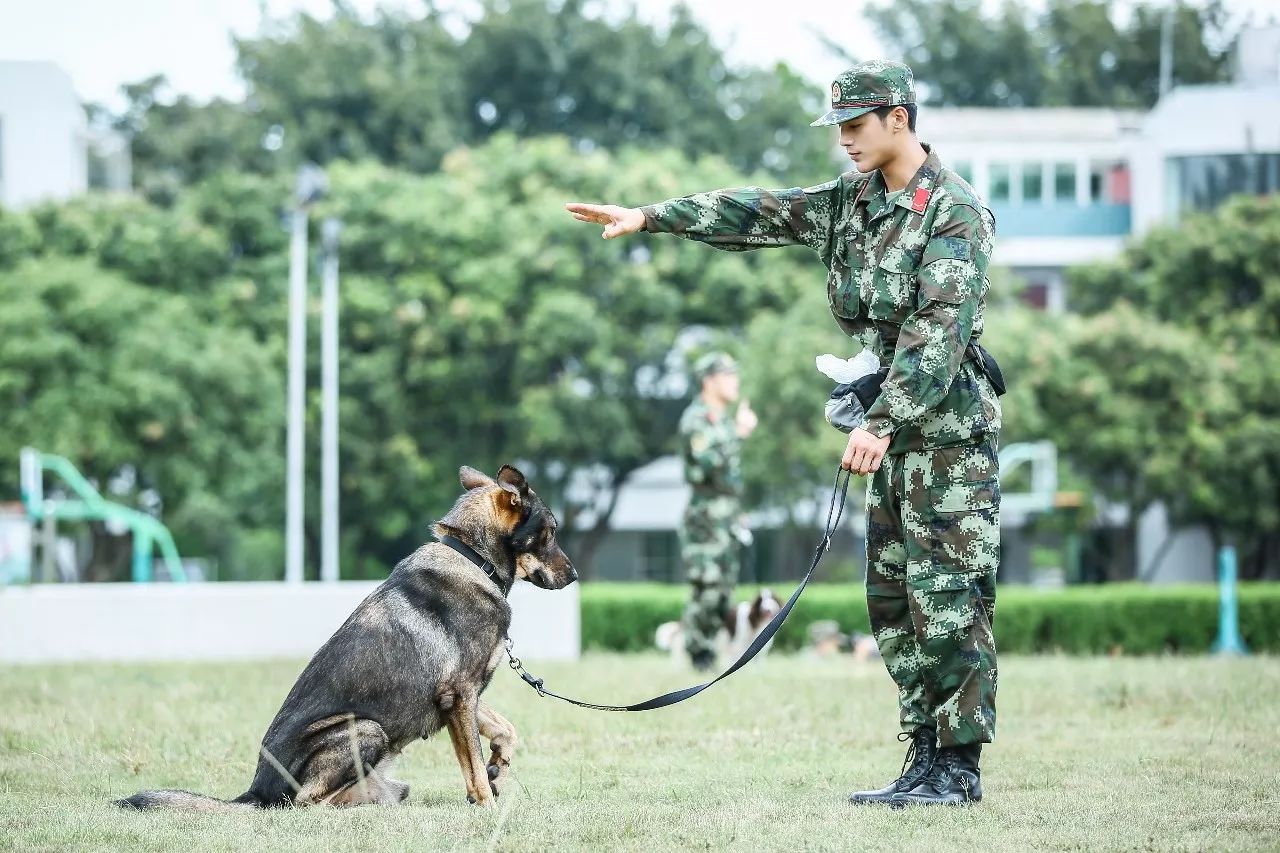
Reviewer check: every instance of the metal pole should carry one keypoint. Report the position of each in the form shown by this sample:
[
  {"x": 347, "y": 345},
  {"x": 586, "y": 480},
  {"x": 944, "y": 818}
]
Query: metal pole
[
  {"x": 330, "y": 231},
  {"x": 48, "y": 541},
  {"x": 296, "y": 443},
  {"x": 1166, "y": 50},
  {"x": 1229, "y": 641},
  {"x": 311, "y": 186}
]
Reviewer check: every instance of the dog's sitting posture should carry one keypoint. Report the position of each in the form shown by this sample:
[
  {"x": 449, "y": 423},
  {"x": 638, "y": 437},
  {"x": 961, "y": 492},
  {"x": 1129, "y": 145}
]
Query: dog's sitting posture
[
  {"x": 412, "y": 659},
  {"x": 742, "y": 624}
]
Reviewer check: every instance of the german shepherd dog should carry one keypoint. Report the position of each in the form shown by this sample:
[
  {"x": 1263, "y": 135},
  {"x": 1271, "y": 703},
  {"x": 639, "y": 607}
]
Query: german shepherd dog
[{"x": 412, "y": 659}]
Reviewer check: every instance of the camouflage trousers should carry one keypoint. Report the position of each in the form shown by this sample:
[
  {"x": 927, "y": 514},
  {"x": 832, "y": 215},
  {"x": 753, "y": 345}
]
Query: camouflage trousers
[
  {"x": 933, "y": 545},
  {"x": 711, "y": 562}
]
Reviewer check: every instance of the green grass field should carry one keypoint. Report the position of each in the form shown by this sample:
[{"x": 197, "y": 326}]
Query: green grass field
[{"x": 1099, "y": 753}]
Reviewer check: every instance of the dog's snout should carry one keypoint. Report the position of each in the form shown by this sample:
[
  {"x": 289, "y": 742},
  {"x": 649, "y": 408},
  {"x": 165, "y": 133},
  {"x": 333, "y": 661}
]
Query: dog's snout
[{"x": 573, "y": 574}]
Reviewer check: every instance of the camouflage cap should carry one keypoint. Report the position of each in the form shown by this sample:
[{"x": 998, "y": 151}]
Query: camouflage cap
[
  {"x": 868, "y": 86},
  {"x": 712, "y": 363}
]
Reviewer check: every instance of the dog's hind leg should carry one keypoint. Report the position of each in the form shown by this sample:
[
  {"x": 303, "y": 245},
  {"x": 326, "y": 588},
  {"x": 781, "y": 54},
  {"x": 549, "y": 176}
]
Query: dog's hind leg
[
  {"x": 378, "y": 789},
  {"x": 465, "y": 734},
  {"x": 502, "y": 744},
  {"x": 330, "y": 775}
]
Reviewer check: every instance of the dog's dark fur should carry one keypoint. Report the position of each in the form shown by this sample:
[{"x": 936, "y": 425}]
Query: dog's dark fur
[{"x": 412, "y": 659}]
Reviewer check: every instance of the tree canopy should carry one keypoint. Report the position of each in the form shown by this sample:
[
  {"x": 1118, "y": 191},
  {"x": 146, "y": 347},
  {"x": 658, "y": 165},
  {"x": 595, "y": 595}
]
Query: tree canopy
[
  {"x": 405, "y": 89},
  {"x": 1062, "y": 53}
]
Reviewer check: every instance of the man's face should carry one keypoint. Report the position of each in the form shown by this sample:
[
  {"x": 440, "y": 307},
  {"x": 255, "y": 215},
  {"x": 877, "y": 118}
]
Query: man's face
[
  {"x": 723, "y": 386},
  {"x": 870, "y": 142}
]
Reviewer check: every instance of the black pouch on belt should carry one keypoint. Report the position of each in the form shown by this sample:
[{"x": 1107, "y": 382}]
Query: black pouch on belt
[
  {"x": 847, "y": 407},
  {"x": 988, "y": 365}
]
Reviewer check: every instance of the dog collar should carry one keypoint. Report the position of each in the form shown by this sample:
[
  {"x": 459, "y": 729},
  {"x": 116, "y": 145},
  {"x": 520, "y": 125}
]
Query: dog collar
[{"x": 471, "y": 554}]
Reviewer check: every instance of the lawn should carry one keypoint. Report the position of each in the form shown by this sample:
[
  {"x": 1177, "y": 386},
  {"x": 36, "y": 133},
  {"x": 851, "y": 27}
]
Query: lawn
[{"x": 1093, "y": 753}]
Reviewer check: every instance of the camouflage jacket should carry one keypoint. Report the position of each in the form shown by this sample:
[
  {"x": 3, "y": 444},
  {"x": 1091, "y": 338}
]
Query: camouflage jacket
[
  {"x": 711, "y": 451},
  {"x": 907, "y": 279}
]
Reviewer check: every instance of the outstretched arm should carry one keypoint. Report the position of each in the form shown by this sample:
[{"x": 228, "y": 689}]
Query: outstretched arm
[{"x": 734, "y": 219}]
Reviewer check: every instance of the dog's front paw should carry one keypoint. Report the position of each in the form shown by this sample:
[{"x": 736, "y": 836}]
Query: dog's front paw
[
  {"x": 479, "y": 796},
  {"x": 498, "y": 771},
  {"x": 494, "y": 772}
]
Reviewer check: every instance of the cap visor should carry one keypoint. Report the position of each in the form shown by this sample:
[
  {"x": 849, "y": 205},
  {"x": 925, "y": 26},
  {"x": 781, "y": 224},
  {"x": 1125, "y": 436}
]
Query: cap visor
[{"x": 841, "y": 116}]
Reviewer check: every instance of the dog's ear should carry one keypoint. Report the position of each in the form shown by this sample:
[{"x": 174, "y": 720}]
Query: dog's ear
[
  {"x": 473, "y": 479},
  {"x": 509, "y": 476},
  {"x": 508, "y": 502},
  {"x": 510, "y": 497}
]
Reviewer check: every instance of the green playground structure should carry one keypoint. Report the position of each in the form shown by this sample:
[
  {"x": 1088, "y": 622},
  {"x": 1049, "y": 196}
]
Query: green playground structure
[{"x": 88, "y": 505}]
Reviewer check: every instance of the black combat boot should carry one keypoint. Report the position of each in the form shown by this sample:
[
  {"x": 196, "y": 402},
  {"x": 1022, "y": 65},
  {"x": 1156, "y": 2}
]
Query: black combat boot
[
  {"x": 920, "y": 755},
  {"x": 954, "y": 780}
]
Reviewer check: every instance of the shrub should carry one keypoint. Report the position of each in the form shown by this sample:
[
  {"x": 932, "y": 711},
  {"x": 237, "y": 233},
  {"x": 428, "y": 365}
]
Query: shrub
[{"x": 1118, "y": 618}]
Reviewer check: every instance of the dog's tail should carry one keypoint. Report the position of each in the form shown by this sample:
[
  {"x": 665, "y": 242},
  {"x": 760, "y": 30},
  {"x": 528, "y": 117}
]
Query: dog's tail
[{"x": 186, "y": 801}]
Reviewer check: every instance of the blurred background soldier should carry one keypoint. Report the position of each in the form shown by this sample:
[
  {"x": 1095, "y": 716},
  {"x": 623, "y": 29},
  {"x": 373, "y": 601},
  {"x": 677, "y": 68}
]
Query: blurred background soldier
[{"x": 713, "y": 530}]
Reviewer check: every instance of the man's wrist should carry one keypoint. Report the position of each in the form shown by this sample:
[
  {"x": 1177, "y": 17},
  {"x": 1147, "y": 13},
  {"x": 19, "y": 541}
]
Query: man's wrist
[
  {"x": 879, "y": 426},
  {"x": 651, "y": 222}
]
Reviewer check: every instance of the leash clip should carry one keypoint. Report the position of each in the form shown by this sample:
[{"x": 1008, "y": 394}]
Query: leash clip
[
  {"x": 535, "y": 683},
  {"x": 515, "y": 664}
]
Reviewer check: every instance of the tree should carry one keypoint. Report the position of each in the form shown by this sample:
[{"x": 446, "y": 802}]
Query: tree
[
  {"x": 404, "y": 90},
  {"x": 1213, "y": 271},
  {"x": 1211, "y": 284},
  {"x": 162, "y": 408},
  {"x": 175, "y": 141},
  {"x": 482, "y": 325},
  {"x": 18, "y": 237},
  {"x": 966, "y": 53}
]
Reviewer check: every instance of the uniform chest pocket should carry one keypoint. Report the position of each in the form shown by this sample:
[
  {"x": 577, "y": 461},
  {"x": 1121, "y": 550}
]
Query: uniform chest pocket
[
  {"x": 843, "y": 284},
  {"x": 889, "y": 290}
]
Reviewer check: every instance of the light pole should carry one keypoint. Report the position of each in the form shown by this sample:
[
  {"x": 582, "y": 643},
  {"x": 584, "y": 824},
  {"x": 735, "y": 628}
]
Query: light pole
[
  {"x": 329, "y": 232},
  {"x": 310, "y": 187}
]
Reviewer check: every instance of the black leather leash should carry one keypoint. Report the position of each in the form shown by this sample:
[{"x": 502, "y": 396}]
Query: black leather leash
[{"x": 834, "y": 512}]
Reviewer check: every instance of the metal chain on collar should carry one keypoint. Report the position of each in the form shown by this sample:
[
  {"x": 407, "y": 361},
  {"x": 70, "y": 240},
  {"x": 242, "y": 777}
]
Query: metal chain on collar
[
  {"x": 835, "y": 512},
  {"x": 514, "y": 663}
]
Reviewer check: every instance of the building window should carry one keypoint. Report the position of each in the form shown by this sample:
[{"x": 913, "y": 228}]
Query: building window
[
  {"x": 1036, "y": 295},
  {"x": 660, "y": 556},
  {"x": 1032, "y": 183},
  {"x": 1000, "y": 182},
  {"x": 1064, "y": 182},
  {"x": 965, "y": 170},
  {"x": 1203, "y": 183}
]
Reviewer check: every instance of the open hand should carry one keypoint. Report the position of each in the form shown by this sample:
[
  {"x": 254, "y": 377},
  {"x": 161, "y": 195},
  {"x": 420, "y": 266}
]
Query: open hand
[
  {"x": 617, "y": 221},
  {"x": 863, "y": 453}
]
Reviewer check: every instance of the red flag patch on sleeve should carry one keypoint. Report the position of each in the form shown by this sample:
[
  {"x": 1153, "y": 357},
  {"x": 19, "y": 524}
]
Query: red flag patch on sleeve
[{"x": 920, "y": 200}]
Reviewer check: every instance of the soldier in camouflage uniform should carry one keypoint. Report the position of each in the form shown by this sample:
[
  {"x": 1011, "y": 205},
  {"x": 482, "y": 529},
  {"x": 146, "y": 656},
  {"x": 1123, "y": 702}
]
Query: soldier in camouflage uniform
[
  {"x": 712, "y": 530},
  {"x": 906, "y": 242}
]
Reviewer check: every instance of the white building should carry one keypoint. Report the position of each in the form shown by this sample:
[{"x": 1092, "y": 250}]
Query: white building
[
  {"x": 1069, "y": 186},
  {"x": 48, "y": 151},
  {"x": 1204, "y": 143},
  {"x": 1057, "y": 180}
]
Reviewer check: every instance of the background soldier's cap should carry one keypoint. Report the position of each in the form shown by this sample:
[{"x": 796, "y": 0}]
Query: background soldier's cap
[
  {"x": 868, "y": 86},
  {"x": 714, "y": 362}
]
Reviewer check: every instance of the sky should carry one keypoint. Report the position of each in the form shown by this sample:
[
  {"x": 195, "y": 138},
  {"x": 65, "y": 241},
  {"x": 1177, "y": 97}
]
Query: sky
[{"x": 103, "y": 44}]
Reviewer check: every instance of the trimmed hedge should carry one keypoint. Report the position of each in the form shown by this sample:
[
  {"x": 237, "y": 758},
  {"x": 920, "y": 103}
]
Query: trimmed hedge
[{"x": 1116, "y": 618}]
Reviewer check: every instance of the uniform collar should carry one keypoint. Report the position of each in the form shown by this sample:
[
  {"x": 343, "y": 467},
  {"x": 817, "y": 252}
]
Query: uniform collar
[{"x": 915, "y": 196}]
